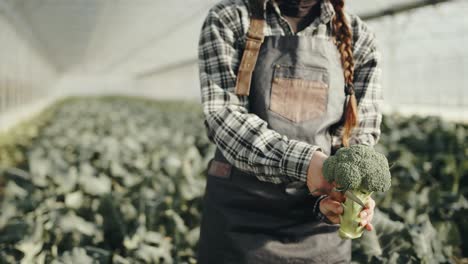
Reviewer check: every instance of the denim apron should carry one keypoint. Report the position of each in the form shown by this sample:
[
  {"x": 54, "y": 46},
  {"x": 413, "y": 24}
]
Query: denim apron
[{"x": 298, "y": 89}]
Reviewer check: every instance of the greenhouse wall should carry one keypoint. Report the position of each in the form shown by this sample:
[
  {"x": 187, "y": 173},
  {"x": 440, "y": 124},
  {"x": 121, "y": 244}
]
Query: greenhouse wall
[
  {"x": 425, "y": 71},
  {"x": 51, "y": 60},
  {"x": 26, "y": 76}
]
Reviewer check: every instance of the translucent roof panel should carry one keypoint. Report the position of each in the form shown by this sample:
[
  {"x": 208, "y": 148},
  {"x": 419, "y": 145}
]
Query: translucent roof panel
[
  {"x": 425, "y": 59},
  {"x": 423, "y": 49},
  {"x": 365, "y": 7},
  {"x": 107, "y": 34}
]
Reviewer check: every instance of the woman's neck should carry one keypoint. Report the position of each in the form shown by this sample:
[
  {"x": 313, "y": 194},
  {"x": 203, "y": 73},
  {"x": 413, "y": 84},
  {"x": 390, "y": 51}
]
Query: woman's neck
[
  {"x": 299, "y": 13},
  {"x": 299, "y": 8}
]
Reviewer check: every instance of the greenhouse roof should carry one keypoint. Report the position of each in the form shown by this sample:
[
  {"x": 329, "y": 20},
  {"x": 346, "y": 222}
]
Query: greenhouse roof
[
  {"x": 143, "y": 35},
  {"x": 150, "y": 47}
]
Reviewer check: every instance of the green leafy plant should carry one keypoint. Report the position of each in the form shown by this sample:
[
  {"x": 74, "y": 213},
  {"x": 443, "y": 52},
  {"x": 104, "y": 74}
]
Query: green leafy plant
[{"x": 121, "y": 180}]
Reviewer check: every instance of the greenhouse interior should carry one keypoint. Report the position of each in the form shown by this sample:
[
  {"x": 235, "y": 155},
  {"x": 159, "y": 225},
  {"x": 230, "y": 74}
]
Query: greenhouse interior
[{"x": 104, "y": 151}]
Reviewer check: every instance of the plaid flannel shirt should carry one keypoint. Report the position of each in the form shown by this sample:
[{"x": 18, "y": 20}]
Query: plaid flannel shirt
[{"x": 245, "y": 139}]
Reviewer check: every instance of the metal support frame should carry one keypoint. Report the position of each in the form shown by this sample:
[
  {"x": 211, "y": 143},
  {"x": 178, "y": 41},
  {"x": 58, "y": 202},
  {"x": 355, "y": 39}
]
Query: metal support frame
[{"x": 402, "y": 8}]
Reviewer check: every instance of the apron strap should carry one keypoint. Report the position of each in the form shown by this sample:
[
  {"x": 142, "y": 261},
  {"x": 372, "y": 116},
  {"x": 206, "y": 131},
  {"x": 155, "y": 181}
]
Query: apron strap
[{"x": 255, "y": 37}]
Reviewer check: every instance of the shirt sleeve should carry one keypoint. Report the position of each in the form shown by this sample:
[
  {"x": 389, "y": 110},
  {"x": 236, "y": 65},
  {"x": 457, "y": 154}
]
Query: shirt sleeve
[
  {"x": 242, "y": 137},
  {"x": 367, "y": 85}
]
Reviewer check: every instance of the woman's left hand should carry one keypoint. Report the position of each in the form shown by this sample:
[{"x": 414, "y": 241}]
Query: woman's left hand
[
  {"x": 367, "y": 213},
  {"x": 331, "y": 208}
]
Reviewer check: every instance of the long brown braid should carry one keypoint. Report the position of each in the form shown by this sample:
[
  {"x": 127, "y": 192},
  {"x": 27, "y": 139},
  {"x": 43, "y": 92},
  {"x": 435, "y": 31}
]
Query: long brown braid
[{"x": 342, "y": 32}]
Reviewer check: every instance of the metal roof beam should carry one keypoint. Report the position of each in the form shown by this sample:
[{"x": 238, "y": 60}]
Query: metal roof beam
[
  {"x": 166, "y": 68},
  {"x": 402, "y": 8}
]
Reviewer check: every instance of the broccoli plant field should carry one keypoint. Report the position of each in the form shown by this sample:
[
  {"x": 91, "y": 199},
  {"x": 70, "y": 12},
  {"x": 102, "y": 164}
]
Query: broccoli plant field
[{"x": 121, "y": 180}]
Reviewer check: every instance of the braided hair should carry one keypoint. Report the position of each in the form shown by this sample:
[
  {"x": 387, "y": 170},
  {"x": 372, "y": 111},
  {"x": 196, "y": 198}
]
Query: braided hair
[{"x": 342, "y": 33}]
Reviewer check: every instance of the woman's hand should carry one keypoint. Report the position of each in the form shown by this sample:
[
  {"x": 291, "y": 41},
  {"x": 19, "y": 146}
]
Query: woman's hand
[
  {"x": 315, "y": 181},
  {"x": 331, "y": 208},
  {"x": 367, "y": 214}
]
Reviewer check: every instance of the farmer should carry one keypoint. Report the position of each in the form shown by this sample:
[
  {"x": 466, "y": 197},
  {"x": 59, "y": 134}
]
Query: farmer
[{"x": 284, "y": 84}]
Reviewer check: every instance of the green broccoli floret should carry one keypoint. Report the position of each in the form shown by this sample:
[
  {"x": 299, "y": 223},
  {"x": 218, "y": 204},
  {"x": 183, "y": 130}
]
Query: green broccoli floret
[{"x": 361, "y": 170}]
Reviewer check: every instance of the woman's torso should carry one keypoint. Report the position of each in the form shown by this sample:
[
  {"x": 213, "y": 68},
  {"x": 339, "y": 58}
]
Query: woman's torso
[{"x": 297, "y": 87}]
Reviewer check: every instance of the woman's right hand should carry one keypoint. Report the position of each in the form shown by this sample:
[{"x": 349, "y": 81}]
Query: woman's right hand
[
  {"x": 330, "y": 206},
  {"x": 316, "y": 183}
]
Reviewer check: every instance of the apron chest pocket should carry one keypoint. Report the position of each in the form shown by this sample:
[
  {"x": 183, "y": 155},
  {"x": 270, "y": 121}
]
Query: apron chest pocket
[{"x": 299, "y": 93}]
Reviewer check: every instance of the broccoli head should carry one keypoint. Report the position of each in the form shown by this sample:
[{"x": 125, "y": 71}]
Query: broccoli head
[{"x": 361, "y": 170}]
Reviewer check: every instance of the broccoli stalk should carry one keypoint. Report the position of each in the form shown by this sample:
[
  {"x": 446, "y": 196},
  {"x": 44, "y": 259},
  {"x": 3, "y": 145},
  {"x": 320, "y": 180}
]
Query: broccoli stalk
[
  {"x": 349, "y": 227},
  {"x": 361, "y": 170}
]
